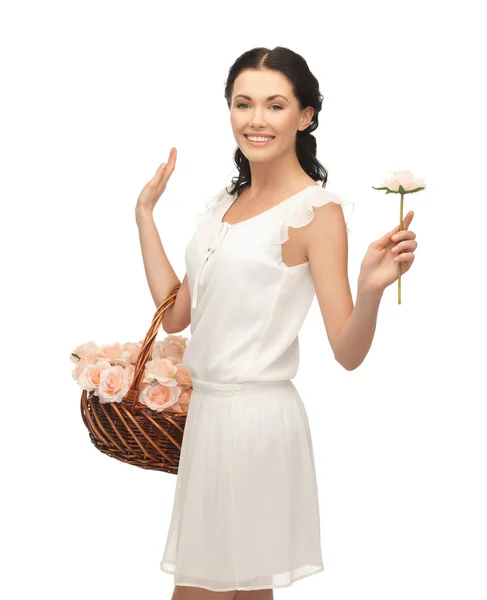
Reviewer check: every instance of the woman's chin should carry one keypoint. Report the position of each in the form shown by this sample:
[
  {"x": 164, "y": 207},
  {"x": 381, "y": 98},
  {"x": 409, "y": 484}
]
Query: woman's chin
[{"x": 257, "y": 159}]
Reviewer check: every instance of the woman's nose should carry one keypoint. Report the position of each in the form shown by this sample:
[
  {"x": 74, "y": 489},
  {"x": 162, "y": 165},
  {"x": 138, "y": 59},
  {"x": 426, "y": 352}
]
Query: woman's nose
[{"x": 257, "y": 118}]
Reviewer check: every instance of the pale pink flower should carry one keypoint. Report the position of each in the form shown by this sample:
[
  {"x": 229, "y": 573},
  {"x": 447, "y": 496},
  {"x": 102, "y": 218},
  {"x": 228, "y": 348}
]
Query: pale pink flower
[
  {"x": 110, "y": 352},
  {"x": 159, "y": 397},
  {"x": 88, "y": 352},
  {"x": 113, "y": 384},
  {"x": 123, "y": 361},
  {"x": 183, "y": 376},
  {"x": 81, "y": 365},
  {"x": 130, "y": 369},
  {"x": 183, "y": 404},
  {"x": 186, "y": 395},
  {"x": 131, "y": 352},
  {"x": 89, "y": 378},
  {"x": 172, "y": 348},
  {"x": 185, "y": 398},
  {"x": 404, "y": 178},
  {"x": 156, "y": 349},
  {"x": 162, "y": 370}
]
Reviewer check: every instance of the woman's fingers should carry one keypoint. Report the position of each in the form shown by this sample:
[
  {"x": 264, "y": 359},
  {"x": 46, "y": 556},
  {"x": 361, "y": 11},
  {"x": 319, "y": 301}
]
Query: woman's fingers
[
  {"x": 405, "y": 257},
  {"x": 168, "y": 167},
  {"x": 159, "y": 173},
  {"x": 405, "y": 245}
]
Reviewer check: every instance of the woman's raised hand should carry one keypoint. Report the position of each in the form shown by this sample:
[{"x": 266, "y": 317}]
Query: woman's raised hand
[{"x": 155, "y": 187}]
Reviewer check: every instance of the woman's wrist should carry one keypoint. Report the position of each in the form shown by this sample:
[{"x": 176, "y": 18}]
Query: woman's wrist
[{"x": 143, "y": 213}]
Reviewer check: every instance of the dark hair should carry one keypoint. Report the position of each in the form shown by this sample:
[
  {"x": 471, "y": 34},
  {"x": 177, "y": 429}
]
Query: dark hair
[{"x": 306, "y": 89}]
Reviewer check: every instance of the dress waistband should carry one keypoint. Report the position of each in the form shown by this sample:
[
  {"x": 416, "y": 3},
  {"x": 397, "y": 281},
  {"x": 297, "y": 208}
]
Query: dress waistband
[{"x": 199, "y": 384}]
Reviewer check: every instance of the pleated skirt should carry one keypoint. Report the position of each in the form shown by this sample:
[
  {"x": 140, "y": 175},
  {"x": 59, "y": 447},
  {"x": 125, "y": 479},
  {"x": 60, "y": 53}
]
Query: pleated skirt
[{"x": 245, "y": 513}]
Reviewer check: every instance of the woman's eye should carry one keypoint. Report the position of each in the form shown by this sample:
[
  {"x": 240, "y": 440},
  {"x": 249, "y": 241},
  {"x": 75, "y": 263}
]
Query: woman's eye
[{"x": 274, "y": 105}]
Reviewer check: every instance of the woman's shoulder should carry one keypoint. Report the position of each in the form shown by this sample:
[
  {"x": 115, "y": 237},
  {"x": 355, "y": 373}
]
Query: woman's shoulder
[
  {"x": 301, "y": 211},
  {"x": 211, "y": 204}
]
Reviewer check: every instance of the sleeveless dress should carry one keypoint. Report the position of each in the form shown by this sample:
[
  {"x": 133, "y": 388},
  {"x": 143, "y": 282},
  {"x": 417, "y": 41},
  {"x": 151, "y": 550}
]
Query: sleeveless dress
[{"x": 245, "y": 513}]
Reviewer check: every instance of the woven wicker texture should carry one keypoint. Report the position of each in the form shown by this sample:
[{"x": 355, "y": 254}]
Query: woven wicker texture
[{"x": 130, "y": 431}]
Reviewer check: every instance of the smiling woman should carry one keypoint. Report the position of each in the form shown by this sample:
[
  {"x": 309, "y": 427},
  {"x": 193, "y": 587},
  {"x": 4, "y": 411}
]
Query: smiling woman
[
  {"x": 288, "y": 113},
  {"x": 245, "y": 517}
]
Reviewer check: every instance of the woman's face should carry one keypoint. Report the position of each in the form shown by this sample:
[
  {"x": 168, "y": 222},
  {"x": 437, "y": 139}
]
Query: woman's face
[{"x": 257, "y": 115}]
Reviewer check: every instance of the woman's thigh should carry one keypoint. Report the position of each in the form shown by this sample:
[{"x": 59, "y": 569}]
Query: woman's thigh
[{"x": 186, "y": 592}]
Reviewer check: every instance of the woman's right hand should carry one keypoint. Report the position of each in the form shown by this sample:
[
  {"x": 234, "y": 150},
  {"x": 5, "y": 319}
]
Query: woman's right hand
[{"x": 155, "y": 187}]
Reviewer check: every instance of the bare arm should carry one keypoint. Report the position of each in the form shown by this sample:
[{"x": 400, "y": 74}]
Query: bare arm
[
  {"x": 350, "y": 328},
  {"x": 327, "y": 251},
  {"x": 159, "y": 272},
  {"x": 355, "y": 339},
  {"x": 161, "y": 277}
]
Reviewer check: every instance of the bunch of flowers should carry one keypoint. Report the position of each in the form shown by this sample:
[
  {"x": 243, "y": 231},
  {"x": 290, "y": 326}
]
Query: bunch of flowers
[{"x": 108, "y": 371}]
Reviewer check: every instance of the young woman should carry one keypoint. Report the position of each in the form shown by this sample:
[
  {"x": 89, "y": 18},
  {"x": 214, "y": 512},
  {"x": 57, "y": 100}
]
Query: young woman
[{"x": 246, "y": 518}]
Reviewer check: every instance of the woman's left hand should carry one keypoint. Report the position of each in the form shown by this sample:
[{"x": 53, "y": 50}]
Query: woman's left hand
[{"x": 380, "y": 267}]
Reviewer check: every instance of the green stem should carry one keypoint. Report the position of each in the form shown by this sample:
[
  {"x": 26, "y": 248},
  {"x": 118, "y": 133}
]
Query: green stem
[{"x": 400, "y": 264}]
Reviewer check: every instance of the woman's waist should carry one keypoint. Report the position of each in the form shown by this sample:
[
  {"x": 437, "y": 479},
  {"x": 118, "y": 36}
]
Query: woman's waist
[{"x": 201, "y": 384}]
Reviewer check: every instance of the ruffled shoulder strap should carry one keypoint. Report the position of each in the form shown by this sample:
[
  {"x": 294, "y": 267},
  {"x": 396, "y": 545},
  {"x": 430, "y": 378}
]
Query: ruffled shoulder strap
[
  {"x": 300, "y": 213},
  {"x": 211, "y": 204}
]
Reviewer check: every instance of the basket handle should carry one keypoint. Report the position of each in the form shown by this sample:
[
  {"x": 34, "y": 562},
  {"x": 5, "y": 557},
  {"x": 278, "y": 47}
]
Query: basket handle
[{"x": 131, "y": 397}]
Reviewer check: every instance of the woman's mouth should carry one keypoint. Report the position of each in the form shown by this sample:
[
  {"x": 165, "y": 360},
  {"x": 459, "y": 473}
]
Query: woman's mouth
[{"x": 258, "y": 140}]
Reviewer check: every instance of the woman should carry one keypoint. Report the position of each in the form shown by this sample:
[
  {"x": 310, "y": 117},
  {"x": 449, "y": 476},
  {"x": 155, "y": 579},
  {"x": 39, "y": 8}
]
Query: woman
[{"x": 246, "y": 517}]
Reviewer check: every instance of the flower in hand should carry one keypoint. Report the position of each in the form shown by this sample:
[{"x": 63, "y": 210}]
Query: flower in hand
[
  {"x": 379, "y": 265},
  {"x": 400, "y": 182}
]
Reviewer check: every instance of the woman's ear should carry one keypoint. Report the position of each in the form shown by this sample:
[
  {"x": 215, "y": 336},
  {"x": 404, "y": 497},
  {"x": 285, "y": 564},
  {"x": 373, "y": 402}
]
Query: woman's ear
[{"x": 306, "y": 117}]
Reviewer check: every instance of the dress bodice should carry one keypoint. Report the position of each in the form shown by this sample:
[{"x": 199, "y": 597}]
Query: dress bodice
[{"x": 247, "y": 305}]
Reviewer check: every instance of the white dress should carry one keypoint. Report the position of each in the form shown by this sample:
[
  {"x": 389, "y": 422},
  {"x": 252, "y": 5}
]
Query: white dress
[{"x": 245, "y": 513}]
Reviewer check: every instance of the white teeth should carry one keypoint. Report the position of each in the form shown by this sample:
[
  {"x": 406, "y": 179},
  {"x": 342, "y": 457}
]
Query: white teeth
[{"x": 258, "y": 139}]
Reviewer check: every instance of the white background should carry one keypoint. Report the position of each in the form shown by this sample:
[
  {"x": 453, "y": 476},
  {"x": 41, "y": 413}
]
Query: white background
[{"x": 94, "y": 95}]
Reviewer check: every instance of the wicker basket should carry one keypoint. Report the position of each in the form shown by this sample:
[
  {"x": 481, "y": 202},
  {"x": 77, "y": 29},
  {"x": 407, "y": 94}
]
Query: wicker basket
[{"x": 130, "y": 431}]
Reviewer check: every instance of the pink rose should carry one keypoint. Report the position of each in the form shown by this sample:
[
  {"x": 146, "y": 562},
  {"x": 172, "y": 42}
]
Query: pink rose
[
  {"x": 183, "y": 376},
  {"x": 130, "y": 369},
  {"x": 159, "y": 397},
  {"x": 81, "y": 365},
  {"x": 182, "y": 405},
  {"x": 404, "y": 178},
  {"x": 131, "y": 352},
  {"x": 172, "y": 348},
  {"x": 113, "y": 384},
  {"x": 89, "y": 378},
  {"x": 162, "y": 370},
  {"x": 88, "y": 352},
  {"x": 110, "y": 351},
  {"x": 185, "y": 397}
]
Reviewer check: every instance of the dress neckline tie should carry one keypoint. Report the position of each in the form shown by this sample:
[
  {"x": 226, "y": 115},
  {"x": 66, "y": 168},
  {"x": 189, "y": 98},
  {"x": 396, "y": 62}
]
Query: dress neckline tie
[{"x": 199, "y": 279}]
